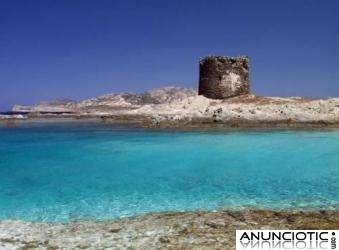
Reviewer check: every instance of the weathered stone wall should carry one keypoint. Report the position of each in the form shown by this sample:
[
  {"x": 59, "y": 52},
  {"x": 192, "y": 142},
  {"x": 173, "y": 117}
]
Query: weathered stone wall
[{"x": 222, "y": 76}]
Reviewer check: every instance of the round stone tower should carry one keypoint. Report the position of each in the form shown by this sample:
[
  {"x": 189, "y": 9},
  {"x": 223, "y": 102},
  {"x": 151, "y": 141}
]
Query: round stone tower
[{"x": 222, "y": 76}]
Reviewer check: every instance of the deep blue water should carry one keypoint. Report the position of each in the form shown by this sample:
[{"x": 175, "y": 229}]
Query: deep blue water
[{"x": 68, "y": 171}]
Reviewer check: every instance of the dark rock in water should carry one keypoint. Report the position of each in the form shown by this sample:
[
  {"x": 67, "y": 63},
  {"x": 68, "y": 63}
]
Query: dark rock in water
[{"x": 222, "y": 77}]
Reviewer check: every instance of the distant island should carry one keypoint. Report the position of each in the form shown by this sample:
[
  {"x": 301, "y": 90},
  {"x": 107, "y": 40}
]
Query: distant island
[{"x": 223, "y": 100}]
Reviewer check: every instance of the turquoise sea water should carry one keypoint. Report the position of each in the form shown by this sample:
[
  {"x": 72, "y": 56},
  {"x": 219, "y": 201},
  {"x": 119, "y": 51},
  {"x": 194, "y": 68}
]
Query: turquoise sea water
[{"x": 68, "y": 171}]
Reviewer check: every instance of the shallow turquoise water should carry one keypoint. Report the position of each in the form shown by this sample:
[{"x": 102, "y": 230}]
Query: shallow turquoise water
[{"x": 67, "y": 171}]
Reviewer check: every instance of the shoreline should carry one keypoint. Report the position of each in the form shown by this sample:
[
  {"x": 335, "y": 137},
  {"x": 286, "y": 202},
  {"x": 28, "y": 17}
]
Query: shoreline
[
  {"x": 142, "y": 121},
  {"x": 173, "y": 107},
  {"x": 160, "y": 230}
]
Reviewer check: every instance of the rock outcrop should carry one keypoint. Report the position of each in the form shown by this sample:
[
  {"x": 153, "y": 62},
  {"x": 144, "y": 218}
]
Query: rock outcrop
[
  {"x": 222, "y": 77},
  {"x": 47, "y": 106},
  {"x": 181, "y": 107},
  {"x": 171, "y": 230},
  {"x": 113, "y": 101}
]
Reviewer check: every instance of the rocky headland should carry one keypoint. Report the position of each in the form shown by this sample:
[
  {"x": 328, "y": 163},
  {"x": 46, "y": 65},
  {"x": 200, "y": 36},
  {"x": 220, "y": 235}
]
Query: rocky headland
[
  {"x": 223, "y": 100},
  {"x": 183, "y": 107}
]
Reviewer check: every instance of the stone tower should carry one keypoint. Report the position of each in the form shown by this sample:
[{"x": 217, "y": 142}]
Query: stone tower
[{"x": 222, "y": 76}]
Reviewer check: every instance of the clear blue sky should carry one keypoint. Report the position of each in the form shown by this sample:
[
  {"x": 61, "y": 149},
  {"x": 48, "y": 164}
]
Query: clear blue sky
[{"x": 77, "y": 49}]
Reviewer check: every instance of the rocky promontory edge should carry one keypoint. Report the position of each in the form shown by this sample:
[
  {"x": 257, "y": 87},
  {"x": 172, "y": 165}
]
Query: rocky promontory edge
[
  {"x": 167, "y": 230},
  {"x": 182, "y": 107}
]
